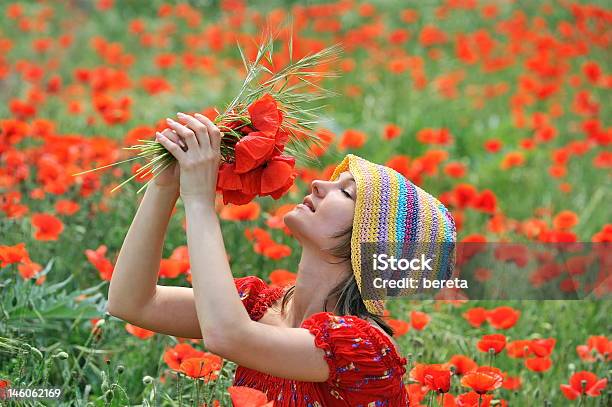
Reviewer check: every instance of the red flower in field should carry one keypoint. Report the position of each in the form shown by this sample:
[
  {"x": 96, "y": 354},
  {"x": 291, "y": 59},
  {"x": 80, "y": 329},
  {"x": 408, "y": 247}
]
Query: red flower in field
[
  {"x": 352, "y": 139},
  {"x": 437, "y": 378},
  {"x": 518, "y": 348},
  {"x": 565, "y": 220},
  {"x": 400, "y": 327},
  {"x": 497, "y": 342},
  {"x": 463, "y": 364},
  {"x": 206, "y": 366},
  {"x": 416, "y": 393},
  {"x": 155, "y": 85},
  {"x": 434, "y": 136},
  {"x": 66, "y": 207},
  {"x": 243, "y": 396},
  {"x": 538, "y": 364},
  {"x": 583, "y": 383},
  {"x": 476, "y": 316},
  {"x": 486, "y": 201},
  {"x": 511, "y": 383},
  {"x": 282, "y": 277},
  {"x": 473, "y": 399},
  {"x": 432, "y": 35},
  {"x": 172, "y": 268},
  {"x": 248, "y": 211},
  {"x": 455, "y": 170},
  {"x": 13, "y": 254},
  {"x": 542, "y": 347},
  {"x": 512, "y": 159},
  {"x": 29, "y": 269},
  {"x": 596, "y": 345},
  {"x": 139, "y": 332},
  {"x": 419, "y": 320},
  {"x": 101, "y": 263},
  {"x": 391, "y": 131},
  {"x": 417, "y": 373},
  {"x": 48, "y": 227},
  {"x": 503, "y": 317},
  {"x": 176, "y": 355},
  {"x": 483, "y": 379}
]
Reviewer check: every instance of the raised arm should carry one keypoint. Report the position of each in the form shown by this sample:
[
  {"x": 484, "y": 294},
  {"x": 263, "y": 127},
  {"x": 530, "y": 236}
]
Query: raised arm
[
  {"x": 227, "y": 328},
  {"x": 134, "y": 295}
]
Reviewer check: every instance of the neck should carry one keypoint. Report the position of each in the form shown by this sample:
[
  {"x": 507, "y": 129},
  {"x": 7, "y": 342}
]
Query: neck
[{"x": 316, "y": 278}]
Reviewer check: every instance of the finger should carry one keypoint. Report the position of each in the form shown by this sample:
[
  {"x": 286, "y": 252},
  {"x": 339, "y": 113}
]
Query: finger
[
  {"x": 214, "y": 133},
  {"x": 185, "y": 132},
  {"x": 200, "y": 129},
  {"x": 171, "y": 134},
  {"x": 172, "y": 147}
]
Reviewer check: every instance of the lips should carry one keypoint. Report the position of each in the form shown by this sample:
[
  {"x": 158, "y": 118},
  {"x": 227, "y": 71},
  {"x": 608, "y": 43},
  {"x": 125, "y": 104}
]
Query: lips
[{"x": 308, "y": 202}]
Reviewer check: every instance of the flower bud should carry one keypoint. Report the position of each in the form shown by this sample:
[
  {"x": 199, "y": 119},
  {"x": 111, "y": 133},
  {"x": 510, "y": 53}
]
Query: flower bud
[
  {"x": 108, "y": 396},
  {"x": 62, "y": 355},
  {"x": 147, "y": 380}
]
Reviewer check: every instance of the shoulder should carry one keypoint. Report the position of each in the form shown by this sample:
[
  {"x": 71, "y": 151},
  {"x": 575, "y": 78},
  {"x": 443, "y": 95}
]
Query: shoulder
[
  {"x": 256, "y": 295},
  {"x": 359, "y": 354}
]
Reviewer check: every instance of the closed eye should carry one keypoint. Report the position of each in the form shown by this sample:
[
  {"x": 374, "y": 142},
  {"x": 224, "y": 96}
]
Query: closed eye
[{"x": 347, "y": 194}]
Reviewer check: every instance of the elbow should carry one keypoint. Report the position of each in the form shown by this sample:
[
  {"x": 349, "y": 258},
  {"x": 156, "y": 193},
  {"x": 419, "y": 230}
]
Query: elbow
[{"x": 223, "y": 342}]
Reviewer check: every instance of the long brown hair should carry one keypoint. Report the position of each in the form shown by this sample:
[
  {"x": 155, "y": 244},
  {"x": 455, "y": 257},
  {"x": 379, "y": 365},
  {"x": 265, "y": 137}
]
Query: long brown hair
[{"x": 349, "y": 297}]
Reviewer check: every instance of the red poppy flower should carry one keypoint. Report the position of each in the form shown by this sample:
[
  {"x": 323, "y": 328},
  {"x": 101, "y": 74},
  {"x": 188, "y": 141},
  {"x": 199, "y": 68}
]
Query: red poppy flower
[
  {"x": 252, "y": 151},
  {"x": 278, "y": 176},
  {"x": 13, "y": 254},
  {"x": 497, "y": 342},
  {"x": 483, "y": 379},
  {"x": 473, "y": 399},
  {"x": 265, "y": 115},
  {"x": 503, "y": 317},
  {"x": 437, "y": 378},
  {"x": 463, "y": 364},
  {"x": 518, "y": 348},
  {"x": 400, "y": 327},
  {"x": 249, "y": 211},
  {"x": 101, "y": 263},
  {"x": 419, "y": 320},
  {"x": 48, "y": 227},
  {"x": 583, "y": 382},
  {"x": 139, "y": 332},
  {"x": 475, "y": 316},
  {"x": 207, "y": 366},
  {"x": 282, "y": 277},
  {"x": 243, "y": 396},
  {"x": 174, "y": 356},
  {"x": 538, "y": 364},
  {"x": 542, "y": 347}
]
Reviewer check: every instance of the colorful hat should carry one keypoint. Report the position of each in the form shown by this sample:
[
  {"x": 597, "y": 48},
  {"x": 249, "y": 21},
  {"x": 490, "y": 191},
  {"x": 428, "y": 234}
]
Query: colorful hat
[{"x": 390, "y": 208}]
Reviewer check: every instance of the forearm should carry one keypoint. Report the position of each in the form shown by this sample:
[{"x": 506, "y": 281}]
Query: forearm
[
  {"x": 134, "y": 278},
  {"x": 221, "y": 313}
]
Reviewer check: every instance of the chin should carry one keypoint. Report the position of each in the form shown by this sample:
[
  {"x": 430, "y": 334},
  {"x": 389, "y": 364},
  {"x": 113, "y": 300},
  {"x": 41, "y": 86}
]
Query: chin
[{"x": 295, "y": 222}]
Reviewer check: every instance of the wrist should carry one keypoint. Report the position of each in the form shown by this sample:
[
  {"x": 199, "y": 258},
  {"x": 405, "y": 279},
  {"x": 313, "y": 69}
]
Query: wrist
[
  {"x": 165, "y": 191},
  {"x": 199, "y": 201}
]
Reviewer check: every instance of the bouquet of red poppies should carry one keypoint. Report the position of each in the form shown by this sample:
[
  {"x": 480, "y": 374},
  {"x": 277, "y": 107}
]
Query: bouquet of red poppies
[{"x": 265, "y": 127}]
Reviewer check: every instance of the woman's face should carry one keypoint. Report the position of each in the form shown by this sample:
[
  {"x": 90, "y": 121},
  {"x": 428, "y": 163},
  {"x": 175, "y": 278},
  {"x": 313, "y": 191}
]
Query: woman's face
[{"x": 328, "y": 210}]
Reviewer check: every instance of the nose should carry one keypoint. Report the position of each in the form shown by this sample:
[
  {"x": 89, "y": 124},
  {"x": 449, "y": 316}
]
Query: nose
[{"x": 318, "y": 187}]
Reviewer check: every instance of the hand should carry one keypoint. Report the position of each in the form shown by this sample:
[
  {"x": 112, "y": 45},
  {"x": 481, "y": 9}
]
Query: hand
[{"x": 199, "y": 163}]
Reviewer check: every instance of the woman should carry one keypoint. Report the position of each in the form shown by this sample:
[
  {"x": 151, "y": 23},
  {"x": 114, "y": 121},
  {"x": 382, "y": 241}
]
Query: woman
[{"x": 315, "y": 344}]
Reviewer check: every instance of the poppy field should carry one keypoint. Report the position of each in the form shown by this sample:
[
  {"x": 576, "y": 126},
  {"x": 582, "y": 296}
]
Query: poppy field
[{"x": 499, "y": 108}]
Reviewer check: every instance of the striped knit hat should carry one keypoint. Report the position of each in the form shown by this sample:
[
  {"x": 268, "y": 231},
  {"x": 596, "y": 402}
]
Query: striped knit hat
[{"x": 390, "y": 208}]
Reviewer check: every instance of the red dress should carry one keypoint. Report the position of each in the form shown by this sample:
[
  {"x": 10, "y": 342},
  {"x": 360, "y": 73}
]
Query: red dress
[{"x": 365, "y": 370}]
